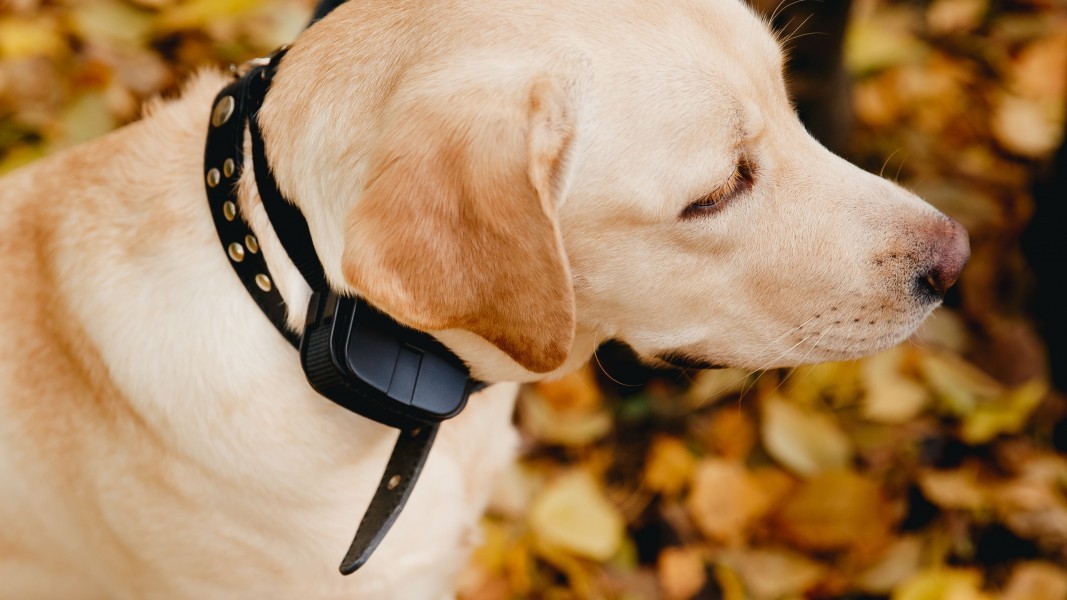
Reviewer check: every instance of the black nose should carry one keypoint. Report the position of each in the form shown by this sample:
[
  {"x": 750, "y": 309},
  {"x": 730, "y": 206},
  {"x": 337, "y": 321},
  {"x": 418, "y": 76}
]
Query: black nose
[{"x": 951, "y": 248}]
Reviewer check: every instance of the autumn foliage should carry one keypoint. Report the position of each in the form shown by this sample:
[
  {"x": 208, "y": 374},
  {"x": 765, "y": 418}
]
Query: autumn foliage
[{"x": 933, "y": 471}]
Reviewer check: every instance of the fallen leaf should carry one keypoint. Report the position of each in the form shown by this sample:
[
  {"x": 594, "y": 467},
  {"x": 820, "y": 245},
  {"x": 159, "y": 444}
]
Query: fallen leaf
[
  {"x": 566, "y": 426},
  {"x": 712, "y": 385},
  {"x": 1026, "y": 127},
  {"x": 836, "y": 510},
  {"x": 1036, "y": 581},
  {"x": 769, "y": 574},
  {"x": 573, "y": 516},
  {"x": 731, "y": 433},
  {"x": 942, "y": 584},
  {"x": 958, "y": 489},
  {"x": 890, "y": 396},
  {"x": 725, "y": 500},
  {"x": 21, "y": 38},
  {"x": 669, "y": 465},
  {"x": 953, "y": 16},
  {"x": 803, "y": 440},
  {"x": 681, "y": 572},
  {"x": 900, "y": 561},
  {"x": 958, "y": 384},
  {"x": 1006, "y": 414}
]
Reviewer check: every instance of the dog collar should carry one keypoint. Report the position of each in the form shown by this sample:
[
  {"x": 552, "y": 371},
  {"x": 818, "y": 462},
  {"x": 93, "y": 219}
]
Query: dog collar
[{"x": 351, "y": 353}]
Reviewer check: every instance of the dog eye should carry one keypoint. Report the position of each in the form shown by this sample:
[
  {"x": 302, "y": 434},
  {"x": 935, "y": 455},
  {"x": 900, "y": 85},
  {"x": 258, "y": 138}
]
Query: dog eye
[{"x": 740, "y": 182}]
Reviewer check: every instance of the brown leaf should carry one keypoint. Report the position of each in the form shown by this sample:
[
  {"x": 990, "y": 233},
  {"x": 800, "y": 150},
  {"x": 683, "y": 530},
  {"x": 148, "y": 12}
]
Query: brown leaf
[
  {"x": 1036, "y": 581},
  {"x": 836, "y": 510},
  {"x": 725, "y": 500},
  {"x": 681, "y": 572}
]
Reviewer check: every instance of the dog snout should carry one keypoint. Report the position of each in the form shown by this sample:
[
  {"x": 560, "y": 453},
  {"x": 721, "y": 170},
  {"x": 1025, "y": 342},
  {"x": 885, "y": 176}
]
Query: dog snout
[{"x": 950, "y": 250}]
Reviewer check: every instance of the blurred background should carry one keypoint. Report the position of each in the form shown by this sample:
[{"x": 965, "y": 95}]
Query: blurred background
[{"x": 936, "y": 470}]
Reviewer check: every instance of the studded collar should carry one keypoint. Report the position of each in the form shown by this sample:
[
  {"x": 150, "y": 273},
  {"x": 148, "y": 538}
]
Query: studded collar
[{"x": 368, "y": 364}]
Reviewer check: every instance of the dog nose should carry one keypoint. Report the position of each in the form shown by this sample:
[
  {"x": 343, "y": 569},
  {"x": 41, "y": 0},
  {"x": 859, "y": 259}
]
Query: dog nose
[{"x": 951, "y": 249}]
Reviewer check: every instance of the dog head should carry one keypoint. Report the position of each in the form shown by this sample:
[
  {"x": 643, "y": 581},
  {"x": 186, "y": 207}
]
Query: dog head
[{"x": 527, "y": 179}]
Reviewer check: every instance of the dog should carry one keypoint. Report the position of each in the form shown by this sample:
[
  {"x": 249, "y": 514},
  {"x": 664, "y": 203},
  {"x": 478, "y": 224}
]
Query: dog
[{"x": 522, "y": 179}]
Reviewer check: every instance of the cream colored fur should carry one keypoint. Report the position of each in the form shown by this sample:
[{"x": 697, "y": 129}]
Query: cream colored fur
[{"x": 157, "y": 436}]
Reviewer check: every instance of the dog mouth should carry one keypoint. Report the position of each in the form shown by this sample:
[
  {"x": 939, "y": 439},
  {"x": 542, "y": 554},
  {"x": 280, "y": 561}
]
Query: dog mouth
[{"x": 680, "y": 360}]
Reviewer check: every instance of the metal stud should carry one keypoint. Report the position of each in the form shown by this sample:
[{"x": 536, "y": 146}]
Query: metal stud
[
  {"x": 236, "y": 252},
  {"x": 393, "y": 482},
  {"x": 252, "y": 243},
  {"x": 229, "y": 210},
  {"x": 228, "y": 167},
  {"x": 223, "y": 111},
  {"x": 263, "y": 282},
  {"x": 213, "y": 177}
]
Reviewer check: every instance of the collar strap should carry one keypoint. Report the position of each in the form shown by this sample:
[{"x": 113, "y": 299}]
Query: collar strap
[{"x": 357, "y": 357}]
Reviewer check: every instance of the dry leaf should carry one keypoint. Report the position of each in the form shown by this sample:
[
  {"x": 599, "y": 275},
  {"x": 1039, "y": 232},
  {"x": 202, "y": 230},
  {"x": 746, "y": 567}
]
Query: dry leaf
[
  {"x": 731, "y": 433},
  {"x": 715, "y": 384},
  {"x": 950, "y": 16},
  {"x": 804, "y": 440},
  {"x": 681, "y": 572},
  {"x": 958, "y": 384},
  {"x": 891, "y": 397},
  {"x": 1025, "y": 126},
  {"x": 1006, "y": 414},
  {"x": 769, "y": 574},
  {"x": 1036, "y": 581},
  {"x": 899, "y": 562},
  {"x": 836, "y": 510},
  {"x": 573, "y": 516},
  {"x": 942, "y": 584},
  {"x": 959, "y": 489},
  {"x": 669, "y": 466},
  {"x": 725, "y": 500},
  {"x": 21, "y": 38}
]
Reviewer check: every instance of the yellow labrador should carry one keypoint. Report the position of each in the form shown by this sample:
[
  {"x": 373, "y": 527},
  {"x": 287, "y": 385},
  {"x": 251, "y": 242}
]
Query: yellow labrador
[{"x": 524, "y": 179}]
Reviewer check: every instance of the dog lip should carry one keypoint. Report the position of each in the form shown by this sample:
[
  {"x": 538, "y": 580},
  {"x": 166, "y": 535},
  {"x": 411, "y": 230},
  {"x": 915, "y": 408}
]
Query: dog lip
[{"x": 684, "y": 361}]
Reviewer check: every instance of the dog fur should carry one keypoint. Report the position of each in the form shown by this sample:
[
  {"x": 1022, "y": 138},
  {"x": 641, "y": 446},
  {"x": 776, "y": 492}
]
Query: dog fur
[{"x": 516, "y": 177}]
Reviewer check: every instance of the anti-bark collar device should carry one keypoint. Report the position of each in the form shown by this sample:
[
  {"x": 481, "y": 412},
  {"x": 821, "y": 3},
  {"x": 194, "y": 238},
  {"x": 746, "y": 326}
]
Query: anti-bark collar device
[{"x": 351, "y": 353}]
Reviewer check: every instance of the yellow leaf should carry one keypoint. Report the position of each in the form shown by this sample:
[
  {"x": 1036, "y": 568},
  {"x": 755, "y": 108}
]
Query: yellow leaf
[
  {"x": 1007, "y": 414},
  {"x": 769, "y": 574},
  {"x": 804, "y": 440},
  {"x": 669, "y": 466},
  {"x": 87, "y": 117},
  {"x": 871, "y": 47},
  {"x": 112, "y": 22},
  {"x": 942, "y": 584},
  {"x": 710, "y": 386},
  {"x": 21, "y": 38},
  {"x": 572, "y": 515},
  {"x": 197, "y": 13},
  {"x": 890, "y": 397},
  {"x": 958, "y": 384},
  {"x": 899, "y": 562},
  {"x": 730, "y": 583}
]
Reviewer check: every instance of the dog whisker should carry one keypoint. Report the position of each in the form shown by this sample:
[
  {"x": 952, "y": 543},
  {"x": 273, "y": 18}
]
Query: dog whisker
[{"x": 596, "y": 357}]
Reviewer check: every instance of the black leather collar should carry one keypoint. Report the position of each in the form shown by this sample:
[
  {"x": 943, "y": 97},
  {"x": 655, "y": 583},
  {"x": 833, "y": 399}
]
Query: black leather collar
[{"x": 235, "y": 107}]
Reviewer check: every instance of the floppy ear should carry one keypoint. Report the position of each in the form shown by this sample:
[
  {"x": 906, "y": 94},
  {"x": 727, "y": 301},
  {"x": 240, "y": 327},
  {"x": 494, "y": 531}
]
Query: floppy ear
[{"x": 458, "y": 225}]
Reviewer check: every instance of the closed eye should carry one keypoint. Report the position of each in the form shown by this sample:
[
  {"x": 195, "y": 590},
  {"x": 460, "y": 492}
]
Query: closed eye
[{"x": 740, "y": 182}]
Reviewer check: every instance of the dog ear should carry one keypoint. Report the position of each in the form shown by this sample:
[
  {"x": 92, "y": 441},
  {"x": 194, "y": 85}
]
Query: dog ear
[{"x": 457, "y": 227}]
